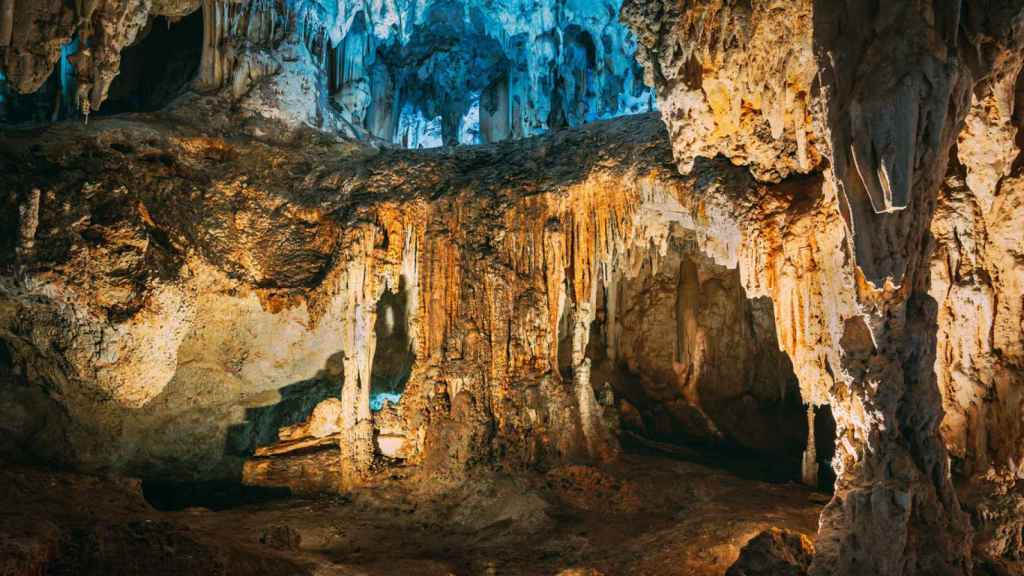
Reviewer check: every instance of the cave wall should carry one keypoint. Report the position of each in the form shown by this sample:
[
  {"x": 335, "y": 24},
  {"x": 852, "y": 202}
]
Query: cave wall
[
  {"x": 160, "y": 320},
  {"x": 174, "y": 326},
  {"x": 856, "y": 113}
]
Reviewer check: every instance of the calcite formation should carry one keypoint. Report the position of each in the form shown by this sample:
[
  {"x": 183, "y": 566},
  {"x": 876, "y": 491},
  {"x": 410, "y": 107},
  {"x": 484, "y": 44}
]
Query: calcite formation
[
  {"x": 181, "y": 312},
  {"x": 898, "y": 310},
  {"x": 254, "y": 283},
  {"x": 414, "y": 73}
]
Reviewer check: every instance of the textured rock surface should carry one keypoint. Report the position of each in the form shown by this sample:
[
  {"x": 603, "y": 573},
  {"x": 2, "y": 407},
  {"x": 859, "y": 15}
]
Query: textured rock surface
[
  {"x": 163, "y": 312},
  {"x": 701, "y": 361},
  {"x": 871, "y": 103},
  {"x": 774, "y": 553},
  {"x": 417, "y": 74}
]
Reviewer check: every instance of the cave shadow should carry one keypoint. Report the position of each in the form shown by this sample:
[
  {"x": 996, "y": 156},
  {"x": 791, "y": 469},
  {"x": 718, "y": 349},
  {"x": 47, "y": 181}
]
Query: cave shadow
[
  {"x": 663, "y": 436},
  {"x": 158, "y": 67},
  {"x": 393, "y": 356},
  {"x": 258, "y": 428}
]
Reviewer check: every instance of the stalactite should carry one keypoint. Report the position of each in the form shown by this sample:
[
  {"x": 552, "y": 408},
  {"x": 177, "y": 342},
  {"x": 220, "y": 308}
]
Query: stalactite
[
  {"x": 213, "y": 67},
  {"x": 358, "y": 344}
]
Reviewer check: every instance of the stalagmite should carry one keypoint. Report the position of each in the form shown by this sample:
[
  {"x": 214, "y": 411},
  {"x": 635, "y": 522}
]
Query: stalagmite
[
  {"x": 6, "y": 22},
  {"x": 28, "y": 218},
  {"x": 589, "y": 409},
  {"x": 809, "y": 464},
  {"x": 358, "y": 341},
  {"x": 215, "y": 24}
]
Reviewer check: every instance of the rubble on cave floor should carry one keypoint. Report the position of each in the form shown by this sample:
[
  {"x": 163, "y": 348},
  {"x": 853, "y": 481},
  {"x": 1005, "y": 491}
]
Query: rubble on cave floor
[{"x": 645, "y": 514}]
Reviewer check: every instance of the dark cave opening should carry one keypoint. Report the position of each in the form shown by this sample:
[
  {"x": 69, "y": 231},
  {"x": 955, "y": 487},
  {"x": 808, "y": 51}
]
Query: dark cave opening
[
  {"x": 580, "y": 49},
  {"x": 158, "y": 67},
  {"x": 825, "y": 447},
  {"x": 393, "y": 357},
  {"x": 696, "y": 369}
]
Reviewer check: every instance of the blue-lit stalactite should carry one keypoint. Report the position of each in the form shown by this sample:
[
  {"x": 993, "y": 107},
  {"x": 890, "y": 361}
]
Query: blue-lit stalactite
[
  {"x": 55, "y": 99},
  {"x": 418, "y": 73},
  {"x": 445, "y": 72}
]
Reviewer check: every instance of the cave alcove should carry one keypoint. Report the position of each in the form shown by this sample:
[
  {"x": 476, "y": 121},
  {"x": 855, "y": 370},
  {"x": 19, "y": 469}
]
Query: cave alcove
[
  {"x": 52, "y": 102},
  {"x": 825, "y": 447},
  {"x": 393, "y": 357},
  {"x": 158, "y": 67},
  {"x": 694, "y": 363}
]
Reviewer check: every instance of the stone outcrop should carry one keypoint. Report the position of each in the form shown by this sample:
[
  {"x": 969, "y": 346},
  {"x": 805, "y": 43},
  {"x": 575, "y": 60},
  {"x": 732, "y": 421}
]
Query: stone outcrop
[{"x": 774, "y": 553}]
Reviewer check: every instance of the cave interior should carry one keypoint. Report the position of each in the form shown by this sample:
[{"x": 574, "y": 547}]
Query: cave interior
[{"x": 567, "y": 287}]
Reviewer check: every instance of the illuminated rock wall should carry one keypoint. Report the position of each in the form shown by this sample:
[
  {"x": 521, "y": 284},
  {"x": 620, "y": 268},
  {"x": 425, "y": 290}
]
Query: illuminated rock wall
[
  {"x": 167, "y": 319},
  {"x": 418, "y": 74},
  {"x": 890, "y": 268}
]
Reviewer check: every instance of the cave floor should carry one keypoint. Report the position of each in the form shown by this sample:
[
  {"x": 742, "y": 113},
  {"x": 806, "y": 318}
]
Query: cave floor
[{"x": 643, "y": 514}]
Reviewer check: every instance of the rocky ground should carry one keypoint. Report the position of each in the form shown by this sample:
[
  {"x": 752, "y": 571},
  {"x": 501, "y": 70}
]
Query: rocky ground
[{"x": 649, "y": 513}]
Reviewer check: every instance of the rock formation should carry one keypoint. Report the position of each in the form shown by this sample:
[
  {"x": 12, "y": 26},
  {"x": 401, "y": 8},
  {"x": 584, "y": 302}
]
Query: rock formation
[
  {"x": 254, "y": 283},
  {"x": 774, "y": 553},
  {"x": 185, "y": 309},
  {"x": 871, "y": 102},
  {"x": 417, "y": 74}
]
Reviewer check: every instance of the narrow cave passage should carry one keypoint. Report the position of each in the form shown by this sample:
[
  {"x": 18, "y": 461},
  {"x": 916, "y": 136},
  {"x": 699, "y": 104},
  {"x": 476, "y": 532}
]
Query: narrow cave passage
[
  {"x": 158, "y": 67},
  {"x": 392, "y": 366}
]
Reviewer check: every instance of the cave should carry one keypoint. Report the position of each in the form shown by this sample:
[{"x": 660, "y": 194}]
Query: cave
[
  {"x": 158, "y": 67},
  {"x": 393, "y": 355},
  {"x": 825, "y": 447},
  {"x": 458, "y": 287},
  {"x": 693, "y": 363}
]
